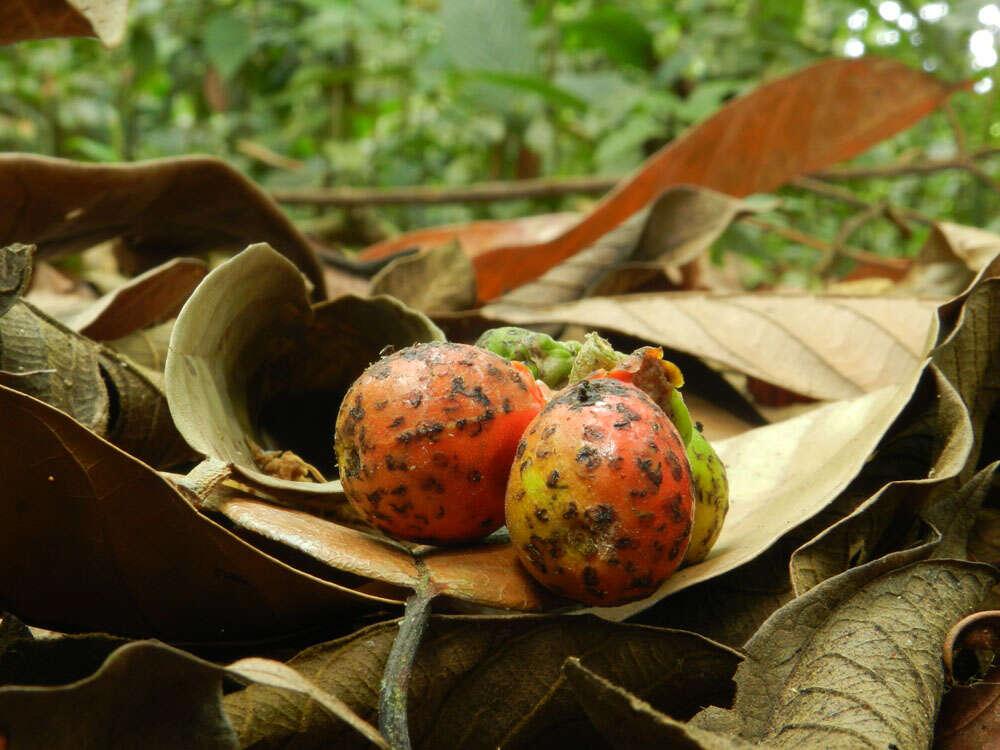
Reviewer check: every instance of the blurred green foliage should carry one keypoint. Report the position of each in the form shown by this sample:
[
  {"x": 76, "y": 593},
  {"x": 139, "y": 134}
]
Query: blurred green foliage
[{"x": 409, "y": 92}]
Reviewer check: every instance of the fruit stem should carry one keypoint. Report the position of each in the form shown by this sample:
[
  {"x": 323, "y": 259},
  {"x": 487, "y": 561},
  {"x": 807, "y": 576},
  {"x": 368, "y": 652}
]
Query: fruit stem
[{"x": 393, "y": 692}]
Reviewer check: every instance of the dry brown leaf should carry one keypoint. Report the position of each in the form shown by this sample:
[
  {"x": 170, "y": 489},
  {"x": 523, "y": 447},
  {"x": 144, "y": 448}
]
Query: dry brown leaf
[
  {"x": 100, "y": 388},
  {"x": 39, "y": 19},
  {"x": 823, "y": 346},
  {"x": 475, "y": 678},
  {"x": 277, "y": 675},
  {"x": 41, "y": 357},
  {"x": 856, "y": 661},
  {"x": 970, "y": 716},
  {"x": 627, "y": 721},
  {"x": 948, "y": 241},
  {"x": 439, "y": 280},
  {"x": 148, "y": 299},
  {"x": 950, "y": 258},
  {"x": 251, "y": 360},
  {"x": 147, "y": 694},
  {"x": 15, "y": 273},
  {"x": 914, "y": 463},
  {"x": 487, "y": 575},
  {"x": 162, "y": 208},
  {"x": 95, "y": 540},
  {"x": 680, "y": 224}
]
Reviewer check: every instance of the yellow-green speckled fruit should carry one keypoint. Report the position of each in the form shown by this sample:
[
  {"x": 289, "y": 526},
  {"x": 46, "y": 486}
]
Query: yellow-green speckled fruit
[
  {"x": 711, "y": 497},
  {"x": 600, "y": 499}
]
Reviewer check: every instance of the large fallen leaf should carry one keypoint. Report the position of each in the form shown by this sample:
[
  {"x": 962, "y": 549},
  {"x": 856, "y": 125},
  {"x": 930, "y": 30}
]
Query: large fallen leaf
[
  {"x": 97, "y": 386},
  {"x": 823, "y": 346},
  {"x": 487, "y": 575},
  {"x": 150, "y": 695},
  {"x": 39, "y": 19},
  {"x": 251, "y": 362},
  {"x": 441, "y": 279},
  {"x": 43, "y": 358},
  {"x": 95, "y": 540},
  {"x": 475, "y": 678},
  {"x": 145, "y": 695},
  {"x": 679, "y": 225},
  {"x": 161, "y": 208},
  {"x": 914, "y": 464},
  {"x": 968, "y": 352},
  {"x": 856, "y": 661},
  {"x": 949, "y": 259},
  {"x": 800, "y": 123},
  {"x": 627, "y": 721}
]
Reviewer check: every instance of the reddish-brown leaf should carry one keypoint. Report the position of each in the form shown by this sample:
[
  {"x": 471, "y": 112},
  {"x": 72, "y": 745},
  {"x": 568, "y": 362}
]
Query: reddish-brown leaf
[
  {"x": 95, "y": 540},
  {"x": 798, "y": 124},
  {"x": 478, "y": 236},
  {"x": 150, "y": 298},
  {"x": 39, "y": 19}
]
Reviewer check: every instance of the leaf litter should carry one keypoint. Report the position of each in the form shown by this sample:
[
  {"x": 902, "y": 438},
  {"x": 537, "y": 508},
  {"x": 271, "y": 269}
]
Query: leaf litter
[{"x": 842, "y": 567}]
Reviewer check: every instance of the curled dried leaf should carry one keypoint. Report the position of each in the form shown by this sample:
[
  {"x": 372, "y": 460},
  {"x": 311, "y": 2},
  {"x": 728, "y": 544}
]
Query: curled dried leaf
[{"x": 251, "y": 360}]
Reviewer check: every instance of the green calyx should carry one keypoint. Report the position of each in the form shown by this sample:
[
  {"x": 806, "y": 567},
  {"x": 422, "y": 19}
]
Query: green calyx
[{"x": 549, "y": 360}]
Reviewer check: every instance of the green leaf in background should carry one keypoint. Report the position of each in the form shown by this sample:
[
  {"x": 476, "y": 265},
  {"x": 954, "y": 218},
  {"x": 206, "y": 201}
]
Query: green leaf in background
[
  {"x": 619, "y": 34},
  {"x": 488, "y": 35},
  {"x": 527, "y": 83},
  {"x": 227, "y": 41}
]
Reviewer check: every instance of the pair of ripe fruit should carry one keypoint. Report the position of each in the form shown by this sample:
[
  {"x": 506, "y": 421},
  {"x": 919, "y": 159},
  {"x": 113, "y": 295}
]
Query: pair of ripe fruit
[{"x": 444, "y": 443}]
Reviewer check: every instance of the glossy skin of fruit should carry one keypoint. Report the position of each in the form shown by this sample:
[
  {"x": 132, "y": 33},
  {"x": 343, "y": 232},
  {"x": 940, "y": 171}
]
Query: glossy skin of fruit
[
  {"x": 600, "y": 500},
  {"x": 711, "y": 497},
  {"x": 659, "y": 379},
  {"x": 425, "y": 439}
]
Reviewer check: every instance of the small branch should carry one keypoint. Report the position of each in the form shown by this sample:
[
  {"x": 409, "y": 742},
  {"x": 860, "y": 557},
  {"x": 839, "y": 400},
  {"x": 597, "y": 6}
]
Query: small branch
[
  {"x": 849, "y": 227},
  {"x": 272, "y": 158},
  {"x": 838, "y": 193},
  {"x": 974, "y": 169},
  {"x": 483, "y": 192},
  {"x": 488, "y": 192},
  {"x": 393, "y": 692},
  {"x": 794, "y": 235},
  {"x": 917, "y": 167},
  {"x": 956, "y": 127}
]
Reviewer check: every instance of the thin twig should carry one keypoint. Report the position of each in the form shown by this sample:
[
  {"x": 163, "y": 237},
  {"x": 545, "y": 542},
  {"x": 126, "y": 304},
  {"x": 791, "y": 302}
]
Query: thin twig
[
  {"x": 956, "y": 127},
  {"x": 489, "y": 192},
  {"x": 794, "y": 235},
  {"x": 926, "y": 166},
  {"x": 483, "y": 192},
  {"x": 974, "y": 169},
  {"x": 838, "y": 193},
  {"x": 393, "y": 692},
  {"x": 272, "y": 158},
  {"x": 849, "y": 227}
]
